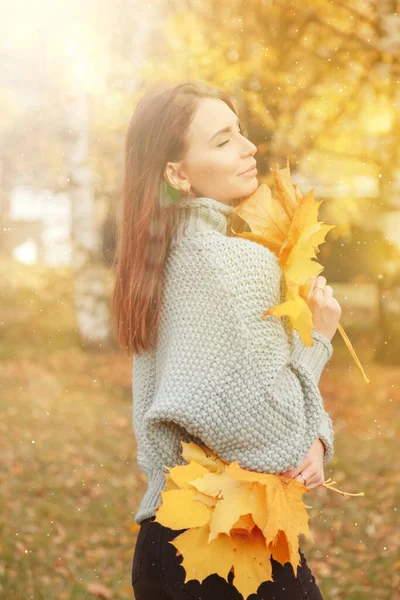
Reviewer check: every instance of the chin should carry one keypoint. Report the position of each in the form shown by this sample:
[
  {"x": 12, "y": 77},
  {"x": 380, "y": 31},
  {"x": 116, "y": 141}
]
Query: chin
[
  {"x": 249, "y": 189},
  {"x": 253, "y": 185}
]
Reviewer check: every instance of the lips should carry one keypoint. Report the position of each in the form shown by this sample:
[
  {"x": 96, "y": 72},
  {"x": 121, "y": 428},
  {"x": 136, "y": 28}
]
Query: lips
[{"x": 249, "y": 169}]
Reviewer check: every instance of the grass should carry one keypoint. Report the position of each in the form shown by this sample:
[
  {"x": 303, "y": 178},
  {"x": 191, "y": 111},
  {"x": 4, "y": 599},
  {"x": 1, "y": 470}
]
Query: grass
[{"x": 70, "y": 485}]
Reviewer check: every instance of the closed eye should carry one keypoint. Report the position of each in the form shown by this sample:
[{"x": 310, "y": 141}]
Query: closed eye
[{"x": 223, "y": 144}]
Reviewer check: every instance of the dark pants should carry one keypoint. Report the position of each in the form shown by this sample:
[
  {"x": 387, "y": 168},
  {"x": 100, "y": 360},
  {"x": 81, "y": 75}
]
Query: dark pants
[{"x": 157, "y": 574}]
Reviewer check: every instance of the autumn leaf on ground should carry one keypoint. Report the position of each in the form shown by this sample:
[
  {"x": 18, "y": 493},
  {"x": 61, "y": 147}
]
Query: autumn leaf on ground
[
  {"x": 289, "y": 227},
  {"x": 99, "y": 590}
]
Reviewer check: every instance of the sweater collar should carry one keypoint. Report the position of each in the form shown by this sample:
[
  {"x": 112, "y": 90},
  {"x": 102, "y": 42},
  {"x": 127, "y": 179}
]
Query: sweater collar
[{"x": 206, "y": 214}]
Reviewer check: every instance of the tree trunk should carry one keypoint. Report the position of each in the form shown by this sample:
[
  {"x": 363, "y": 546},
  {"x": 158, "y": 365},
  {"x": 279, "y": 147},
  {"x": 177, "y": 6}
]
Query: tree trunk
[{"x": 90, "y": 294}]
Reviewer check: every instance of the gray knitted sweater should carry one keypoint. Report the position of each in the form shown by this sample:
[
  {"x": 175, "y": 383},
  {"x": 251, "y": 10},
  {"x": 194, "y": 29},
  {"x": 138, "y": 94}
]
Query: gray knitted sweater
[{"x": 220, "y": 375}]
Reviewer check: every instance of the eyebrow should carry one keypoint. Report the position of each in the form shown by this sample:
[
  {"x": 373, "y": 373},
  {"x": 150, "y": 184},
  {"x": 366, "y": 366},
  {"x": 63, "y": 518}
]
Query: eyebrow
[{"x": 224, "y": 130}]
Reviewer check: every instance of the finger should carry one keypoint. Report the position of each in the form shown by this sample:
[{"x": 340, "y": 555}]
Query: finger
[
  {"x": 318, "y": 296},
  {"x": 319, "y": 291},
  {"x": 318, "y": 287},
  {"x": 295, "y": 471},
  {"x": 286, "y": 474},
  {"x": 301, "y": 480},
  {"x": 311, "y": 482},
  {"x": 308, "y": 475},
  {"x": 313, "y": 284},
  {"x": 315, "y": 480}
]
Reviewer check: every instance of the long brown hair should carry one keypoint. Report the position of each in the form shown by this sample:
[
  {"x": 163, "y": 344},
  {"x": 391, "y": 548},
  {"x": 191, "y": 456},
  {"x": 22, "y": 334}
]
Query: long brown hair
[{"x": 146, "y": 225}]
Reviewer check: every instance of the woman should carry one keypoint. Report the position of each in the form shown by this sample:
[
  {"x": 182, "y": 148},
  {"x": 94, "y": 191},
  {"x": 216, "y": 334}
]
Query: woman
[{"x": 188, "y": 302}]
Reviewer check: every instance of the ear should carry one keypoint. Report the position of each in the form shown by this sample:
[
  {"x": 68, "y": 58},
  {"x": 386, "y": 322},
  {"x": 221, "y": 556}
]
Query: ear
[{"x": 176, "y": 177}]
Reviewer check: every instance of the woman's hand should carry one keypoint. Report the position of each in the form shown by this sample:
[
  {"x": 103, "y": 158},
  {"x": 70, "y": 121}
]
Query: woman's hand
[
  {"x": 326, "y": 310},
  {"x": 312, "y": 467}
]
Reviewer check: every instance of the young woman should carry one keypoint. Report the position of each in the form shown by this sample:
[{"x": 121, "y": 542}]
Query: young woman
[{"x": 188, "y": 301}]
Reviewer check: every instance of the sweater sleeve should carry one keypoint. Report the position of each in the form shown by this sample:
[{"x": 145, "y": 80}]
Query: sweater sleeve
[
  {"x": 224, "y": 375},
  {"x": 300, "y": 353}
]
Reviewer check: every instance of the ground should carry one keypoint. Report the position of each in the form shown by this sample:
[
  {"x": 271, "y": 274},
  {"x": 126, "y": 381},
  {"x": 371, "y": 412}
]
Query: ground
[{"x": 70, "y": 485}]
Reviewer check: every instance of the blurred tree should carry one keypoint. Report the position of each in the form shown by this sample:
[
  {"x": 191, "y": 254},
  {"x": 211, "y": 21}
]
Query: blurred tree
[
  {"x": 389, "y": 36},
  {"x": 91, "y": 301},
  {"x": 301, "y": 75},
  {"x": 308, "y": 78},
  {"x": 388, "y": 350},
  {"x": 314, "y": 82},
  {"x": 362, "y": 251}
]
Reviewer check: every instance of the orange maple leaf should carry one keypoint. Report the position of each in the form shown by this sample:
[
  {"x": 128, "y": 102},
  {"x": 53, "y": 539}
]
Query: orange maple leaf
[{"x": 289, "y": 227}]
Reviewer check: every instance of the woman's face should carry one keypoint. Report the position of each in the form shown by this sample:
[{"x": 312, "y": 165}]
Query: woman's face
[{"x": 215, "y": 159}]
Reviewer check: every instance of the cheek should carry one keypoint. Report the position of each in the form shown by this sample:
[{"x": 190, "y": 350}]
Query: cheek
[
  {"x": 216, "y": 166},
  {"x": 225, "y": 163}
]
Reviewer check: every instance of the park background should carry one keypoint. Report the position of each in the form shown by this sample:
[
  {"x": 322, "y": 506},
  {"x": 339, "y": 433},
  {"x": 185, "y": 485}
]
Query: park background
[{"x": 317, "y": 83}]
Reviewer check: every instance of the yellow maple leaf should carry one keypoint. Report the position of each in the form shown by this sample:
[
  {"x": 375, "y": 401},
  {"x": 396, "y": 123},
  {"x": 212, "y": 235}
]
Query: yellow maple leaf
[
  {"x": 236, "y": 519},
  {"x": 289, "y": 227}
]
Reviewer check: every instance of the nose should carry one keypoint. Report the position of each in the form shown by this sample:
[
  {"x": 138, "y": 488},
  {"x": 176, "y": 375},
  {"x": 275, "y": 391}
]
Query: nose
[{"x": 249, "y": 147}]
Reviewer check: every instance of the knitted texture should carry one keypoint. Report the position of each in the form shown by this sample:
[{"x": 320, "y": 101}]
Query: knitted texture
[{"x": 220, "y": 375}]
